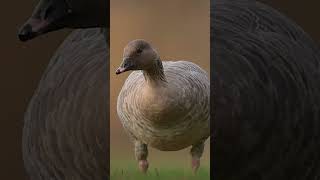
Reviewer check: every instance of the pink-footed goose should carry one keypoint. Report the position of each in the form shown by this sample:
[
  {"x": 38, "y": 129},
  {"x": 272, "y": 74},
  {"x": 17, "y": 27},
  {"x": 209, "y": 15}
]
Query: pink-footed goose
[{"x": 165, "y": 105}]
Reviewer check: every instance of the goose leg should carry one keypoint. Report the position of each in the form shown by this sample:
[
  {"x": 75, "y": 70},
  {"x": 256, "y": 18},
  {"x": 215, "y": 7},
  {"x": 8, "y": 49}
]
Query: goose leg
[
  {"x": 141, "y": 153},
  {"x": 196, "y": 153}
]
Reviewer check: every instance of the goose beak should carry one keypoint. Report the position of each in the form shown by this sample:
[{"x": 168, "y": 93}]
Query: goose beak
[
  {"x": 121, "y": 70},
  {"x": 46, "y": 17},
  {"x": 32, "y": 28},
  {"x": 126, "y": 65}
]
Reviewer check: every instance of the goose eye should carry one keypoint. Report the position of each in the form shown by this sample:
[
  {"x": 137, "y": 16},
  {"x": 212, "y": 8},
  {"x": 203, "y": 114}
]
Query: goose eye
[{"x": 139, "y": 51}]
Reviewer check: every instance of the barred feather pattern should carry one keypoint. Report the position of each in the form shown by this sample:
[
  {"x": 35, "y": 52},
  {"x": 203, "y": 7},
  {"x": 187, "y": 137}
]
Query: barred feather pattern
[
  {"x": 265, "y": 76},
  {"x": 66, "y": 126},
  {"x": 170, "y": 115}
]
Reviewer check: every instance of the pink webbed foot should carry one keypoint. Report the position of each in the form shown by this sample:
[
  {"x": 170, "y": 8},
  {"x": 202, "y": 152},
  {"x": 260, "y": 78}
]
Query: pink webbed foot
[
  {"x": 195, "y": 164},
  {"x": 143, "y": 165}
]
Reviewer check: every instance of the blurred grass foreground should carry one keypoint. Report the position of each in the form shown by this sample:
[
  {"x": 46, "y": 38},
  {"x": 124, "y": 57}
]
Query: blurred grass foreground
[{"x": 162, "y": 173}]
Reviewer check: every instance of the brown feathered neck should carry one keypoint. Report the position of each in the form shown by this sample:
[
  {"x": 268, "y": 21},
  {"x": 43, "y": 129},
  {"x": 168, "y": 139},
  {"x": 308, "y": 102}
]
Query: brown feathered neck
[{"x": 154, "y": 75}]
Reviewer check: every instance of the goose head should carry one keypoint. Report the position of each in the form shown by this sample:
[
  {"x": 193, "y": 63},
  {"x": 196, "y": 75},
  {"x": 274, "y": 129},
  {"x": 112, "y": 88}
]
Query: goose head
[
  {"x": 51, "y": 15},
  {"x": 138, "y": 55}
]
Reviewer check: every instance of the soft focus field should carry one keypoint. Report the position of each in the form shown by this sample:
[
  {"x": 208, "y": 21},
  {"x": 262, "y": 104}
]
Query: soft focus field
[
  {"x": 179, "y": 30},
  {"x": 162, "y": 173},
  {"x": 163, "y": 165}
]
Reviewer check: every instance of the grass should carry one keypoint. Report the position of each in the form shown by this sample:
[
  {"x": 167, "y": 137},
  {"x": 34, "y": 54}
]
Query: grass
[
  {"x": 171, "y": 165},
  {"x": 164, "y": 173}
]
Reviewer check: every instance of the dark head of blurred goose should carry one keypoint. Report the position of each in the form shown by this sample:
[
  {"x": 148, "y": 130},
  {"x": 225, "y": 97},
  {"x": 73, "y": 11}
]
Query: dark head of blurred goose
[{"x": 51, "y": 15}]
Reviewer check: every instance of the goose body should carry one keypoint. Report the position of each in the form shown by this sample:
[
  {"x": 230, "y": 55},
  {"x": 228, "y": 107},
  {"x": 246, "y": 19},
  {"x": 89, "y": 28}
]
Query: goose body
[
  {"x": 169, "y": 116},
  {"x": 266, "y": 90},
  {"x": 164, "y": 105}
]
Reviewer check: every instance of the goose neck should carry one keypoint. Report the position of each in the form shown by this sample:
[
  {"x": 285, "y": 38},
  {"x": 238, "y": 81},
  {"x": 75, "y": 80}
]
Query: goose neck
[{"x": 155, "y": 74}]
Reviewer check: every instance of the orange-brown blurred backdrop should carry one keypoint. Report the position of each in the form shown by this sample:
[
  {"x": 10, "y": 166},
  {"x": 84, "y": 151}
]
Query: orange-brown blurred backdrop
[{"x": 179, "y": 30}]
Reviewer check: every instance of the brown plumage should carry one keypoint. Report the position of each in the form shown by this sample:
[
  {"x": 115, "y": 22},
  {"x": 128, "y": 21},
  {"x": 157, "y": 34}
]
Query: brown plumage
[{"x": 165, "y": 105}]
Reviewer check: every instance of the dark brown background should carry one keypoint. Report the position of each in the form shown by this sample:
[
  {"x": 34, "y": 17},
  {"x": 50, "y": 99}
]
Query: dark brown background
[{"x": 23, "y": 63}]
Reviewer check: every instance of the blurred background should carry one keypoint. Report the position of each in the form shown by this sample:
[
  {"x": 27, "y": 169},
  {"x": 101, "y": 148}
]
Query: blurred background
[
  {"x": 179, "y": 30},
  {"x": 22, "y": 64}
]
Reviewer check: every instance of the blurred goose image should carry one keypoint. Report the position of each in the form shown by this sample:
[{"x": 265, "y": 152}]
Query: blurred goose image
[
  {"x": 265, "y": 73},
  {"x": 66, "y": 125}
]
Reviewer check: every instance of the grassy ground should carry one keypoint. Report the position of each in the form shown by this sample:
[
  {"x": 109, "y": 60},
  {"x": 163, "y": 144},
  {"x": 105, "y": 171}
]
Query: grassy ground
[
  {"x": 169, "y": 165},
  {"x": 160, "y": 174}
]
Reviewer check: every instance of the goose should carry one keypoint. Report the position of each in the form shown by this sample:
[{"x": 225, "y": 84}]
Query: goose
[
  {"x": 165, "y": 105},
  {"x": 66, "y": 124},
  {"x": 265, "y": 73}
]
